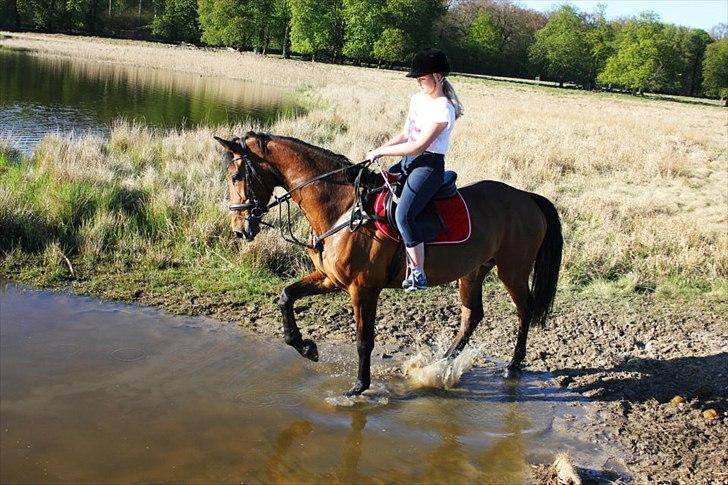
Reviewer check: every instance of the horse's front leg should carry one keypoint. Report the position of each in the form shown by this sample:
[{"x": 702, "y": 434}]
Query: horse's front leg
[
  {"x": 364, "y": 301},
  {"x": 315, "y": 283}
]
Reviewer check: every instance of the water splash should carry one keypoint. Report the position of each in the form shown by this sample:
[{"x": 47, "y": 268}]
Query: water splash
[
  {"x": 378, "y": 395},
  {"x": 428, "y": 369}
]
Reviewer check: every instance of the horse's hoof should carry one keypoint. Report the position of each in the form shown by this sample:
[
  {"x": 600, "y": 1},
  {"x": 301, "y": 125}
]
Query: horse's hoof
[
  {"x": 512, "y": 374},
  {"x": 358, "y": 388},
  {"x": 309, "y": 350}
]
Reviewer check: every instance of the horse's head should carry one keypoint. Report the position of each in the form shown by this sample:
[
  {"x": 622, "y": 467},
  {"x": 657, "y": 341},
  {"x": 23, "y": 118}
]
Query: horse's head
[{"x": 249, "y": 184}]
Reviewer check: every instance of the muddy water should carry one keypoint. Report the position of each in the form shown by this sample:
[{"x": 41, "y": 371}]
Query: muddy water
[{"x": 100, "y": 392}]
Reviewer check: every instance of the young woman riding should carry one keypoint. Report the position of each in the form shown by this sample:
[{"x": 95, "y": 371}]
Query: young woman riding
[{"x": 422, "y": 143}]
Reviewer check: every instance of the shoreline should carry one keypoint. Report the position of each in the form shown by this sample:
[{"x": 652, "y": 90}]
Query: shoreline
[{"x": 628, "y": 352}]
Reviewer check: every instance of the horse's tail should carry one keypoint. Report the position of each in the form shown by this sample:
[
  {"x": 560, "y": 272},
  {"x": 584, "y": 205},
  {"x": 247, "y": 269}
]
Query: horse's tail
[{"x": 548, "y": 262}]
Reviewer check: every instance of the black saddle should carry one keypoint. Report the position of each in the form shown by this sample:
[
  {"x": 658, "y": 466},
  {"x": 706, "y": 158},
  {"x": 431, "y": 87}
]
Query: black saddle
[{"x": 428, "y": 220}]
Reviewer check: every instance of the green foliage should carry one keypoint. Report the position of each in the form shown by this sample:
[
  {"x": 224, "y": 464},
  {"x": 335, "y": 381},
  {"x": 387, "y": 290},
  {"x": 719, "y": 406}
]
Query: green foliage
[
  {"x": 243, "y": 23},
  {"x": 482, "y": 40},
  {"x": 317, "y": 26},
  {"x": 658, "y": 57},
  {"x": 392, "y": 45},
  {"x": 44, "y": 15},
  {"x": 488, "y": 37},
  {"x": 561, "y": 46},
  {"x": 225, "y": 22},
  {"x": 715, "y": 69},
  {"x": 178, "y": 21},
  {"x": 415, "y": 18},
  {"x": 693, "y": 53},
  {"x": 637, "y": 64},
  {"x": 9, "y": 16},
  {"x": 363, "y": 24},
  {"x": 600, "y": 37}
]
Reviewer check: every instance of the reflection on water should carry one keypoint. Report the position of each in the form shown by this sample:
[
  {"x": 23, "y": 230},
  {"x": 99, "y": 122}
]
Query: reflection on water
[
  {"x": 93, "y": 391},
  {"x": 40, "y": 94}
]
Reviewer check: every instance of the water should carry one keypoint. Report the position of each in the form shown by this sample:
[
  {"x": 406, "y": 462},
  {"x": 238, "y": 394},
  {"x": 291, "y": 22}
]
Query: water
[
  {"x": 94, "y": 392},
  {"x": 42, "y": 94}
]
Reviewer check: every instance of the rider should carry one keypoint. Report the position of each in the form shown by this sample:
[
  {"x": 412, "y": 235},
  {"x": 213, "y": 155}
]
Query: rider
[{"x": 422, "y": 143}]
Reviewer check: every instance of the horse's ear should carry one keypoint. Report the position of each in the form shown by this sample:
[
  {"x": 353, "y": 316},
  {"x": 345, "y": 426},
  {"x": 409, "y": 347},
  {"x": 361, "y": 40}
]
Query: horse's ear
[{"x": 231, "y": 146}]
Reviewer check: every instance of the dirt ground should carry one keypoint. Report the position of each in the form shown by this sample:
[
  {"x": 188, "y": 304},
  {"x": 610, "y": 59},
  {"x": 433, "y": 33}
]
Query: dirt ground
[{"x": 630, "y": 357}]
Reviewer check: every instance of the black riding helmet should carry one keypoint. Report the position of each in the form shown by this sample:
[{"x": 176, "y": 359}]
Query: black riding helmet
[{"x": 429, "y": 61}]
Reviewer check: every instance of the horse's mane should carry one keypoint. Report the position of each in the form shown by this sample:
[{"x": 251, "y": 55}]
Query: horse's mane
[
  {"x": 316, "y": 153},
  {"x": 262, "y": 140}
]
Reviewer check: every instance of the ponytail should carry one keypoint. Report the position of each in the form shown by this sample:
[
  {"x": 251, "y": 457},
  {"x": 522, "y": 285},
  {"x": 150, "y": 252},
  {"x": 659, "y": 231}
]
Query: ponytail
[{"x": 450, "y": 93}]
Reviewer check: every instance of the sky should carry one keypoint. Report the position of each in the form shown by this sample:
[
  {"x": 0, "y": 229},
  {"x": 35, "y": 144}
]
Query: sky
[{"x": 702, "y": 14}]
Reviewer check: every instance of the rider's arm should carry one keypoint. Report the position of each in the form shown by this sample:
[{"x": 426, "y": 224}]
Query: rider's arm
[
  {"x": 396, "y": 139},
  {"x": 405, "y": 148}
]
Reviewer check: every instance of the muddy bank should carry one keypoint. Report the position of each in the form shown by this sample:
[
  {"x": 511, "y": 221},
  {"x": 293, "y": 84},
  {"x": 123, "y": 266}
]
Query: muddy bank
[{"x": 630, "y": 357}]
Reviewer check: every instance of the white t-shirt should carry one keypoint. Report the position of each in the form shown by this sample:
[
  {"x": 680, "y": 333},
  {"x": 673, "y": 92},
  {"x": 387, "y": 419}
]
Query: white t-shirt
[{"x": 423, "y": 111}]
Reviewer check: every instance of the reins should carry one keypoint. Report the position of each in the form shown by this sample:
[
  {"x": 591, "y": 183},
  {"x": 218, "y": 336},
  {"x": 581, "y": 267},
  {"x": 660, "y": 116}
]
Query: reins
[{"x": 358, "y": 215}]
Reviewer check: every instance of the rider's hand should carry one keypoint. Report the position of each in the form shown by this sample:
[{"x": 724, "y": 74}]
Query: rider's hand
[{"x": 372, "y": 155}]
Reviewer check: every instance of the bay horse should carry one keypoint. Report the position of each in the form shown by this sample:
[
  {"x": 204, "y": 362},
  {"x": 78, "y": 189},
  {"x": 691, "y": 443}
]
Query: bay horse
[{"x": 516, "y": 231}]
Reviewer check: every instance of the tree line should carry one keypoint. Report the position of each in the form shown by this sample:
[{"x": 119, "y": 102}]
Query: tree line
[{"x": 495, "y": 37}]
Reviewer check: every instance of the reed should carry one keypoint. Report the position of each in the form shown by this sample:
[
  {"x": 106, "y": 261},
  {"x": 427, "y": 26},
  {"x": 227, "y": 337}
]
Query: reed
[{"x": 640, "y": 184}]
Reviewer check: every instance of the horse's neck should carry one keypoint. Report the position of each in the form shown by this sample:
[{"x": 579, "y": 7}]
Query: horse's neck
[{"x": 322, "y": 202}]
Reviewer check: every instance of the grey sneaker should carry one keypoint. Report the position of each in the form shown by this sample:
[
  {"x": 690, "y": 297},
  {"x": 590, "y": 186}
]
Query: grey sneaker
[{"x": 416, "y": 280}]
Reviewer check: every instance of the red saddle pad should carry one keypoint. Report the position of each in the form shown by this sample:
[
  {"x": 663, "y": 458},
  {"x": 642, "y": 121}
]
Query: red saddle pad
[{"x": 453, "y": 211}]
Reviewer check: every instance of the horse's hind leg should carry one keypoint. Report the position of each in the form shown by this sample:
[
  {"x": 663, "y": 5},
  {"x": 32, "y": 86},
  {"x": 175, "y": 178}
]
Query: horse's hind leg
[
  {"x": 471, "y": 309},
  {"x": 517, "y": 286},
  {"x": 315, "y": 283}
]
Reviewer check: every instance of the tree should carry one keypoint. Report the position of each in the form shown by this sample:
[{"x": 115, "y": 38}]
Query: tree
[
  {"x": 363, "y": 24},
  {"x": 415, "y": 18},
  {"x": 684, "y": 57},
  {"x": 489, "y": 36},
  {"x": 482, "y": 41},
  {"x": 393, "y": 45},
  {"x": 639, "y": 62},
  {"x": 715, "y": 69},
  {"x": 9, "y": 16},
  {"x": 43, "y": 15},
  {"x": 600, "y": 36},
  {"x": 178, "y": 21},
  {"x": 317, "y": 27},
  {"x": 562, "y": 48},
  {"x": 225, "y": 22}
]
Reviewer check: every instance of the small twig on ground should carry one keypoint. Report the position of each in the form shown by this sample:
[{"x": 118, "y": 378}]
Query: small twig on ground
[
  {"x": 70, "y": 266},
  {"x": 222, "y": 257}
]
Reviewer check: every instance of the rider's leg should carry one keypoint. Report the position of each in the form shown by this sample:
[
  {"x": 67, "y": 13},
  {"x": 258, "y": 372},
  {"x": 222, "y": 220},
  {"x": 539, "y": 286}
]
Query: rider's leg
[
  {"x": 420, "y": 186},
  {"x": 416, "y": 256}
]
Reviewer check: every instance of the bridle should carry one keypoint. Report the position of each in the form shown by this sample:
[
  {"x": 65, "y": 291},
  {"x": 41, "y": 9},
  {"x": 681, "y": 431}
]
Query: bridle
[{"x": 257, "y": 208}]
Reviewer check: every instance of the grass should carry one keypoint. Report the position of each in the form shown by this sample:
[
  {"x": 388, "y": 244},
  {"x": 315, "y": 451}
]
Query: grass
[{"x": 640, "y": 184}]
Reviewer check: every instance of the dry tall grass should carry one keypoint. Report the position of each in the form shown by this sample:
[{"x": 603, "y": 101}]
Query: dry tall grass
[{"x": 641, "y": 184}]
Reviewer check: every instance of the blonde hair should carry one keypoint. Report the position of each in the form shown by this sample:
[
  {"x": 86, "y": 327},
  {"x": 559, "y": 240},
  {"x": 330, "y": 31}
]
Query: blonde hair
[{"x": 450, "y": 93}]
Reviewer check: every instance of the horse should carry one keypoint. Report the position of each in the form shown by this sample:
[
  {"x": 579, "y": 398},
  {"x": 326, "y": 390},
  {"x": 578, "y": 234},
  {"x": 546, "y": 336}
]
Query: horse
[{"x": 517, "y": 232}]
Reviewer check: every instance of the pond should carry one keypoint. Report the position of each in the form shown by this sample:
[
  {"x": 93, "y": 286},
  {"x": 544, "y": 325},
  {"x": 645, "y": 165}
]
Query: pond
[
  {"x": 94, "y": 392},
  {"x": 41, "y": 94}
]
